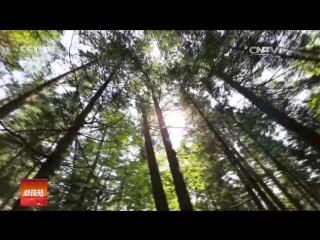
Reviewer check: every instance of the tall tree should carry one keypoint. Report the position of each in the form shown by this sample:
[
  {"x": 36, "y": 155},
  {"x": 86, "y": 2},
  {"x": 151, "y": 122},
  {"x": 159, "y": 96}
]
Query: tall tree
[
  {"x": 234, "y": 159},
  {"x": 54, "y": 160},
  {"x": 18, "y": 102},
  {"x": 230, "y": 130},
  {"x": 157, "y": 188},
  {"x": 180, "y": 186}
]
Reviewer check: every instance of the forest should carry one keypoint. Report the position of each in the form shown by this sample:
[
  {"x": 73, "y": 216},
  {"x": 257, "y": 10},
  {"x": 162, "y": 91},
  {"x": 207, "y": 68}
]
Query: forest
[{"x": 161, "y": 120}]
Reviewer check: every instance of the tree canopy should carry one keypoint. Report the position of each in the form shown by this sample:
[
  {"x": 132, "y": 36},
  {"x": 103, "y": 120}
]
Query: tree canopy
[{"x": 174, "y": 120}]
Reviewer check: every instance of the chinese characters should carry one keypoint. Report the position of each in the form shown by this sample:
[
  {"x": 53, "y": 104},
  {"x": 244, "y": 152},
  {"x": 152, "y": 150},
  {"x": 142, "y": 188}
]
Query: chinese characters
[{"x": 33, "y": 193}]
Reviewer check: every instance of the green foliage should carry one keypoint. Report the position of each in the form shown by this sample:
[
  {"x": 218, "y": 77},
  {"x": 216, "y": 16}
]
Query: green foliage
[
  {"x": 12, "y": 40},
  {"x": 104, "y": 165}
]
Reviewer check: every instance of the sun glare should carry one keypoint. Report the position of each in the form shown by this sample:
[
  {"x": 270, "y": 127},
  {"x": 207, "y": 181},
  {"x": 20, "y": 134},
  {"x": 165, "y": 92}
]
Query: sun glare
[{"x": 175, "y": 121}]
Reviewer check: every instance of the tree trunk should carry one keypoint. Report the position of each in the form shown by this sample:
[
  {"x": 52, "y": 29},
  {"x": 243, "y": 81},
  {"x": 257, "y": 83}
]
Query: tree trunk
[
  {"x": 265, "y": 187},
  {"x": 234, "y": 159},
  {"x": 248, "y": 188},
  {"x": 283, "y": 119},
  {"x": 54, "y": 160},
  {"x": 246, "y": 185},
  {"x": 291, "y": 198},
  {"x": 259, "y": 180},
  {"x": 79, "y": 205},
  {"x": 67, "y": 198},
  {"x": 157, "y": 187},
  {"x": 24, "y": 98},
  {"x": 179, "y": 184},
  {"x": 297, "y": 183}
]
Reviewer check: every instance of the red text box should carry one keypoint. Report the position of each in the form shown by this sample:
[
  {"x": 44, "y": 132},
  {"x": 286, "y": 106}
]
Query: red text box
[{"x": 34, "y": 192}]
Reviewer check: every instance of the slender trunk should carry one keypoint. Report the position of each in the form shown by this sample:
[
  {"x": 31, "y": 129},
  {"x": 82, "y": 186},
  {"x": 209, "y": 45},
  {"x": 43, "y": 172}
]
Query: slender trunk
[
  {"x": 24, "y": 98},
  {"x": 234, "y": 160},
  {"x": 67, "y": 197},
  {"x": 157, "y": 187},
  {"x": 122, "y": 188},
  {"x": 180, "y": 186},
  {"x": 80, "y": 202},
  {"x": 291, "y": 198},
  {"x": 54, "y": 160},
  {"x": 98, "y": 198},
  {"x": 295, "y": 202},
  {"x": 257, "y": 177},
  {"x": 281, "y": 118},
  {"x": 247, "y": 183},
  {"x": 248, "y": 187},
  {"x": 265, "y": 187},
  {"x": 297, "y": 183},
  {"x": 301, "y": 187}
]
